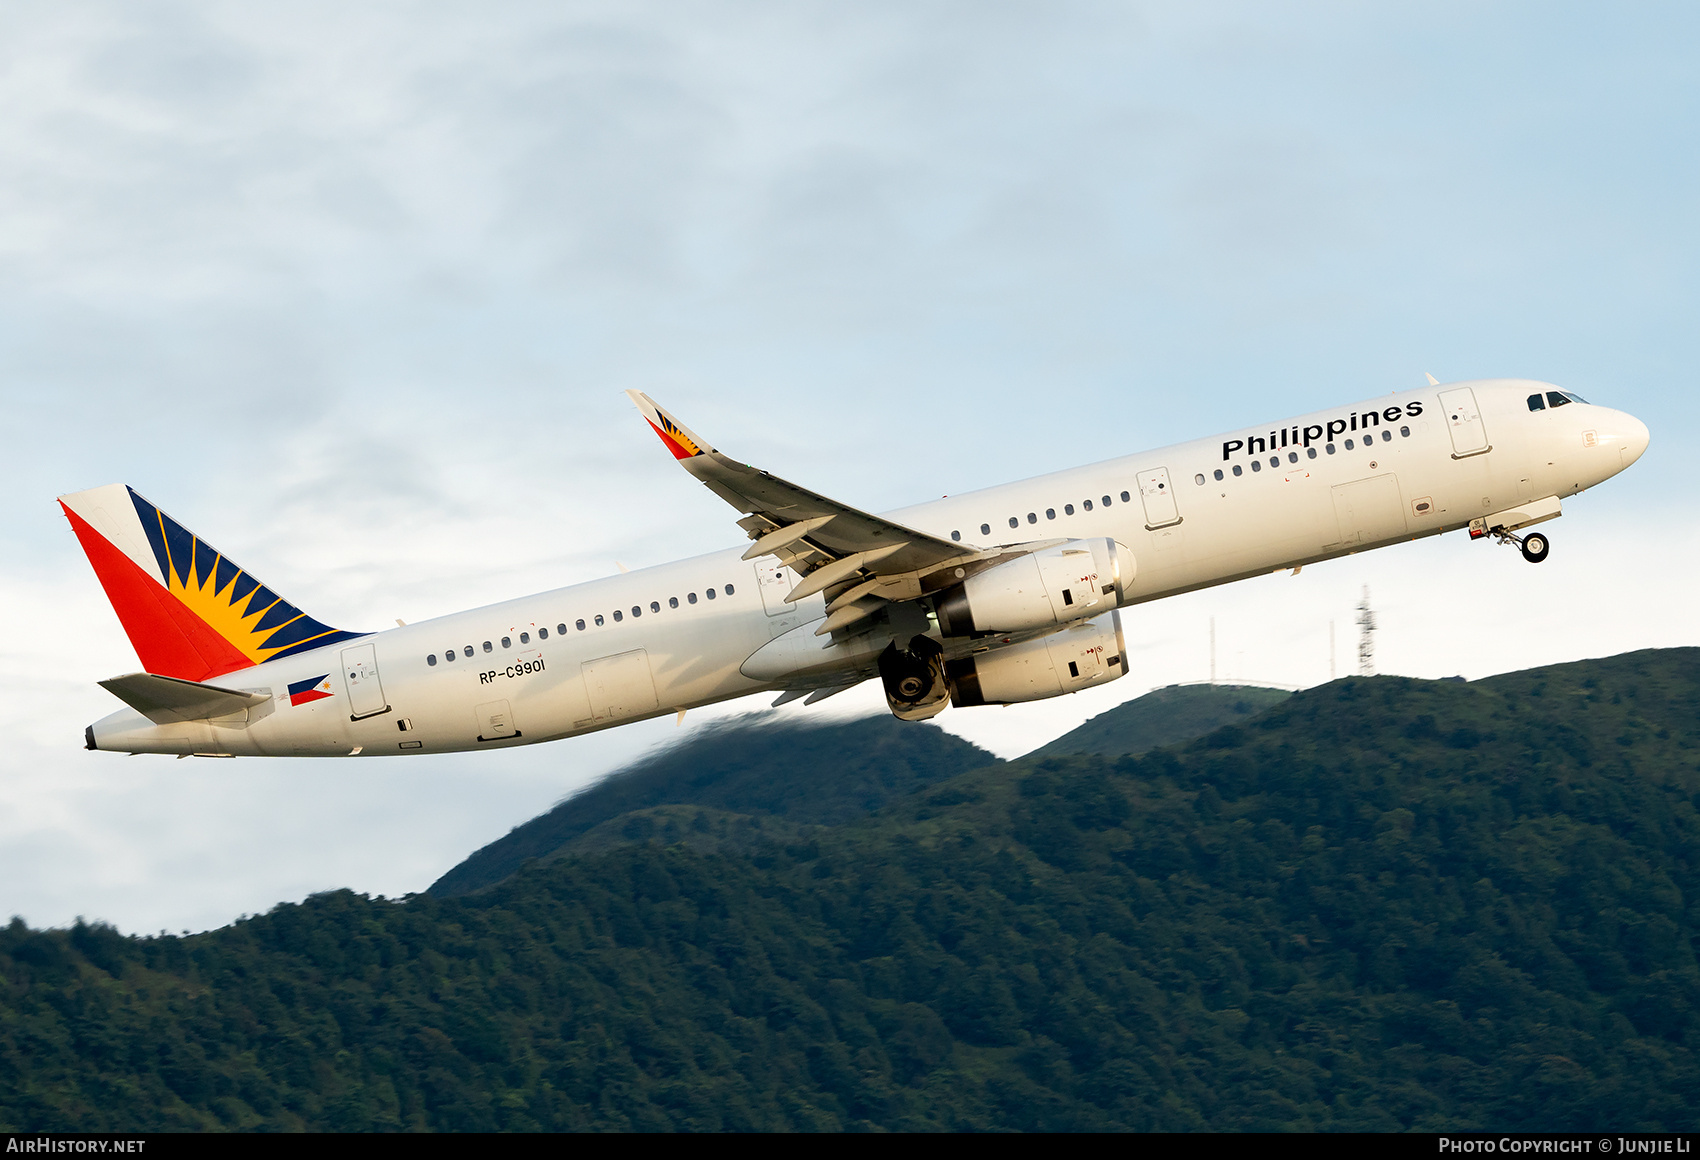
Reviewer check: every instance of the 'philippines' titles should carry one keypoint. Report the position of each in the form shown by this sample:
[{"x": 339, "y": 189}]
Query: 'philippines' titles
[{"x": 1296, "y": 436}]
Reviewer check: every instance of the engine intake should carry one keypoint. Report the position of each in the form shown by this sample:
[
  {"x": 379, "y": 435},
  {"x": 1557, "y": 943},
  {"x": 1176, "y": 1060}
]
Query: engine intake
[
  {"x": 1064, "y": 662},
  {"x": 1072, "y": 581}
]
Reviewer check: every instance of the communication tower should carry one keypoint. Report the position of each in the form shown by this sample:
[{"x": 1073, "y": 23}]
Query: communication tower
[{"x": 1366, "y": 637}]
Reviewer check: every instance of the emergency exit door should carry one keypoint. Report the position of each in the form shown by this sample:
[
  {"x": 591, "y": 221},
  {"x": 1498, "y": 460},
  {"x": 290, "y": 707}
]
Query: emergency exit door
[
  {"x": 1158, "y": 496},
  {"x": 775, "y": 581},
  {"x": 1464, "y": 420},
  {"x": 365, "y": 691}
]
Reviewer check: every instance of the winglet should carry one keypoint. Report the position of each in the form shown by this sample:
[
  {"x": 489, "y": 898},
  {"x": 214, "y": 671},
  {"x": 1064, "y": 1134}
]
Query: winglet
[
  {"x": 1432, "y": 381},
  {"x": 680, "y": 440}
]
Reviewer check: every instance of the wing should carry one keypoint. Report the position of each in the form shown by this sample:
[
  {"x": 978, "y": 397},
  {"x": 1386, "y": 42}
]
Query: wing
[{"x": 861, "y": 561}]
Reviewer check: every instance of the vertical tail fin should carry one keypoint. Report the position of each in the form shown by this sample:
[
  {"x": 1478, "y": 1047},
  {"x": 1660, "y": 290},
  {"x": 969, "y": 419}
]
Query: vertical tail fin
[{"x": 189, "y": 612}]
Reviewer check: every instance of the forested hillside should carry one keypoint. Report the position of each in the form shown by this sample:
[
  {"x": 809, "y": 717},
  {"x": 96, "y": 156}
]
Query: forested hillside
[
  {"x": 1380, "y": 904},
  {"x": 742, "y": 781},
  {"x": 1164, "y": 716},
  {"x": 767, "y": 779}
]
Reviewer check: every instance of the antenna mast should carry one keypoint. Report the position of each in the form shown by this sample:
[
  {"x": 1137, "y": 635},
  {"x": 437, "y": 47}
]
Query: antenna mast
[{"x": 1366, "y": 637}]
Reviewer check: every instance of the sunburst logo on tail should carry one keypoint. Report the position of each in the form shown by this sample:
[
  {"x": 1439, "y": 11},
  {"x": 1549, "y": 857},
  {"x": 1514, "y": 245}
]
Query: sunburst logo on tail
[{"x": 253, "y": 618}]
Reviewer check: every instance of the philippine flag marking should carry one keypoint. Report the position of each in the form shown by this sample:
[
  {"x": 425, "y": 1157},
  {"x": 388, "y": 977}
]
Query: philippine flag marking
[{"x": 312, "y": 689}]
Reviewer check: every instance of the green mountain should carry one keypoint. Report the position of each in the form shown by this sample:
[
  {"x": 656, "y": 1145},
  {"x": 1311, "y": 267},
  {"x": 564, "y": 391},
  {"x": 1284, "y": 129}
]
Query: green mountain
[
  {"x": 744, "y": 781},
  {"x": 1380, "y": 904},
  {"x": 1165, "y": 716},
  {"x": 747, "y": 782}
]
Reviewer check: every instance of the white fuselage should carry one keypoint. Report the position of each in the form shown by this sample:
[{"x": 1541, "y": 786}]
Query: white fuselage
[{"x": 651, "y": 642}]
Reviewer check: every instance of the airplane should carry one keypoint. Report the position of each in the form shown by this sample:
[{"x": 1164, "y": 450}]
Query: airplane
[{"x": 995, "y": 597}]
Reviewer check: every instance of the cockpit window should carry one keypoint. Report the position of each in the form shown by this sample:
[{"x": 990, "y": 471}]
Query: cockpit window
[
  {"x": 1535, "y": 403},
  {"x": 1557, "y": 398},
  {"x": 1574, "y": 397}
]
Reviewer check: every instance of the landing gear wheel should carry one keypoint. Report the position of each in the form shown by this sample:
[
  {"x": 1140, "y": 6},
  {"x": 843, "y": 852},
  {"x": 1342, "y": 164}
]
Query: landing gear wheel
[{"x": 1535, "y": 547}]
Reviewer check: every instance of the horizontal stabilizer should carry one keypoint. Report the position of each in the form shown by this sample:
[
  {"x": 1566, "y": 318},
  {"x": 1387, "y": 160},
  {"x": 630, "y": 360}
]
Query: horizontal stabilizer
[{"x": 169, "y": 700}]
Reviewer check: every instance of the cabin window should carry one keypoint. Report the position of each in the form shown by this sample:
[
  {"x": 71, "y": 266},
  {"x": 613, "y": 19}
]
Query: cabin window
[
  {"x": 1237, "y": 470},
  {"x": 1032, "y": 517},
  {"x": 1014, "y": 522},
  {"x": 578, "y": 624},
  {"x": 985, "y": 529},
  {"x": 691, "y": 597},
  {"x": 1292, "y": 457},
  {"x": 1106, "y": 501},
  {"x": 1199, "y": 478},
  {"x": 1218, "y": 474},
  {"x": 1274, "y": 461},
  {"x": 1068, "y": 509},
  {"x": 525, "y": 638},
  {"x": 468, "y": 651},
  {"x": 957, "y": 536},
  {"x": 1387, "y": 436},
  {"x": 1310, "y": 452},
  {"x": 1348, "y": 445},
  {"x": 506, "y": 643},
  {"x": 1557, "y": 398},
  {"x": 542, "y": 634},
  {"x": 1050, "y": 513},
  {"x": 1257, "y": 465},
  {"x": 431, "y": 660},
  {"x": 672, "y": 602},
  {"x": 617, "y": 616},
  {"x": 1535, "y": 403},
  {"x": 598, "y": 620},
  {"x": 487, "y": 647},
  {"x": 709, "y": 593},
  {"x": 450, "y": 655},
  {"x": 728, "y": 590},
  {"x": 655, "y": 606},
  {"x": 1404, "y": 432},
  {"x": 1086, "y": 505},
  {"x": 1329, "y": 448},
  {"x": 637, "y": 611},
  {"x": 1125, "y": 497}
]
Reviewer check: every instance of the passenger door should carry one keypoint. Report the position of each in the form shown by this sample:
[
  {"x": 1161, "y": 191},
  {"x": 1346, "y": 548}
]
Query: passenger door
[
  {"x": 1464, "y": 420},
  {"x": 365, "y": 691}
]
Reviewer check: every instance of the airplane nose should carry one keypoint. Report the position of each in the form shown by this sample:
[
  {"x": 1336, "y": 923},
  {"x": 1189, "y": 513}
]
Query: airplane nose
[{"x": 1634, "y": 437}]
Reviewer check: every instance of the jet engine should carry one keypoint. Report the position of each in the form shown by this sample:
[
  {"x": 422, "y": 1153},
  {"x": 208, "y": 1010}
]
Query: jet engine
[
  {"x": 1071, "y": 581},
  {"x": 1088, "y": 653}
]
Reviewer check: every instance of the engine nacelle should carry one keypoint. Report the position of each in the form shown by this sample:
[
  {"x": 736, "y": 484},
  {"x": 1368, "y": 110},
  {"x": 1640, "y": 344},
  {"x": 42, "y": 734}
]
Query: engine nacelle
[
  {"x": 1071, "y": 581},
  {"x": 1079, "y": 656}
]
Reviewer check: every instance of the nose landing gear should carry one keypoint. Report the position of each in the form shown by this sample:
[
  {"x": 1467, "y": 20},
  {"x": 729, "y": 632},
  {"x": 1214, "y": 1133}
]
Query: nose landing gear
[{"x": 1534, "y": 546}]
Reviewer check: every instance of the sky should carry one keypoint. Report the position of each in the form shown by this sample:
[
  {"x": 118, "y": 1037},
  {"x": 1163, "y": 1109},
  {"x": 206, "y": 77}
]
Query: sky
[{"x": 354, "y": 291}]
